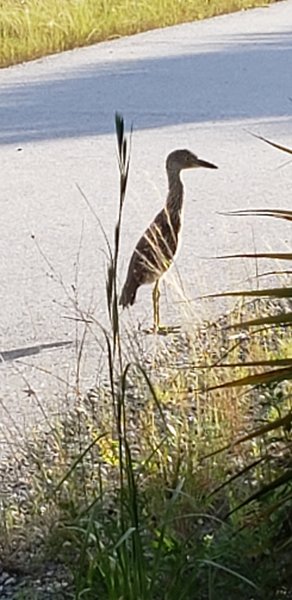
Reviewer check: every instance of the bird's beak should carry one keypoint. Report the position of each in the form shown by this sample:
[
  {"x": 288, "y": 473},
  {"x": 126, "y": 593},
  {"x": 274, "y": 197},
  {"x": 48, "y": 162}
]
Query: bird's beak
[{"x": 204, "y": 163}]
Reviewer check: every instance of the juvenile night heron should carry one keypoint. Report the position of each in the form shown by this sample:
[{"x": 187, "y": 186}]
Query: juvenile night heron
[{"x": 156, "y": 248}]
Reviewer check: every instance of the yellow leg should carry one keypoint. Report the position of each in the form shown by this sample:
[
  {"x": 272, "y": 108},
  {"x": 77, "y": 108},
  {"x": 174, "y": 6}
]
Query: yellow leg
[{"x": 156, "y": 297}]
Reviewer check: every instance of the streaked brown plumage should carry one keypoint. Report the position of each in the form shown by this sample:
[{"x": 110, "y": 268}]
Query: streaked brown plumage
[{"x": 156, "y": 248}]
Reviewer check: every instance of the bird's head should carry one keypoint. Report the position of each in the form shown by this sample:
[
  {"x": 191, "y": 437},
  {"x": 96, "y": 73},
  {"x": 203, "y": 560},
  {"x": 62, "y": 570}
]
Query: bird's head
[{"x": 184, "y": 159}]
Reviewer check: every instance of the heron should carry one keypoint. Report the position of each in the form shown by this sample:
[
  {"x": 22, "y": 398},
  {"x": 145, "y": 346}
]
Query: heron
[{"x": 156, "y": 249}]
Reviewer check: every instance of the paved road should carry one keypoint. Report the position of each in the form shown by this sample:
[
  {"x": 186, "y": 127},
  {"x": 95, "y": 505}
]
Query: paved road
[{"x": 200, "y": 85}]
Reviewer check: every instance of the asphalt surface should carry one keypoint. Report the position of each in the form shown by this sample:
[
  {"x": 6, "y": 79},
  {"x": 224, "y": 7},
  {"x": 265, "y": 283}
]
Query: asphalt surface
[{"x": 203, "y": 85}]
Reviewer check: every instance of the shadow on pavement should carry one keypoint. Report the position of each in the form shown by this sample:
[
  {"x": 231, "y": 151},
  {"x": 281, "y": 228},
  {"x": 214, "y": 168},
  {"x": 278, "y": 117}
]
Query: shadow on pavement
[
  {"x": 8, "y": 355},
  {"x": 237, "y": 77}
]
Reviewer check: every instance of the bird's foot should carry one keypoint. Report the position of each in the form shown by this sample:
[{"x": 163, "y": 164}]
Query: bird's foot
[{"x": 162, "y": 329}]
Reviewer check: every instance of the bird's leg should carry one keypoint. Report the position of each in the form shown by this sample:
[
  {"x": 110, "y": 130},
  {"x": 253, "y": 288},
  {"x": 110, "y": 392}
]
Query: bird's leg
[
  {"x": 156, "y": 296},
  {"x": 157, "y": 328}
]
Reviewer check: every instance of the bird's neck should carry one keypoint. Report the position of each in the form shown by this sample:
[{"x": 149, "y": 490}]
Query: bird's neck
[{"x": 175, "y": 192}]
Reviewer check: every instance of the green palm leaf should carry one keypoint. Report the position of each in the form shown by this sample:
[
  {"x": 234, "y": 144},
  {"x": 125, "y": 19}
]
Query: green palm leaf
[{"x": 275, "y": 375}]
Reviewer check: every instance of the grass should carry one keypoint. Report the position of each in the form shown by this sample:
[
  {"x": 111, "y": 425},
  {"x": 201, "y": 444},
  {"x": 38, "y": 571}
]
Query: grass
[
  {"x": 88, "y": 496},
  {"x": 131, "y": 491},
  {"x": 30, "y": 29}
]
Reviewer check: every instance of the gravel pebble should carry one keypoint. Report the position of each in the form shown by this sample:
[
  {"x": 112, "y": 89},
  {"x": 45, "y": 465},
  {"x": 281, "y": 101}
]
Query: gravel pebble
[{"x": 53, "y": 584}]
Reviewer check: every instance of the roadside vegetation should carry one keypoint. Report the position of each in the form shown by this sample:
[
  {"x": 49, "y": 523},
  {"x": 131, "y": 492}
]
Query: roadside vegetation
[
  {"x": 31, "y": 29},
  {"x": 173, "y": 480}
]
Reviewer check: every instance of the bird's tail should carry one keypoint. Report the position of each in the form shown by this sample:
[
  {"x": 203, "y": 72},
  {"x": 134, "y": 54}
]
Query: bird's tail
[{"x": 128, "y": 294}]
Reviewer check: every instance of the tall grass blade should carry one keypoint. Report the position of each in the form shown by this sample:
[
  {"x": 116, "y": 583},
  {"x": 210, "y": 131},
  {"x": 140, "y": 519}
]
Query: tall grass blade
[
  {"x": 276, "y": 362},
  {"x": 257, "y": 379},
  {"x": 124, "y": 537},
  {"x": 120, "y": 130},
  {"x": 242, "y": 472},
  {"x": 285, "y": 422},
  {"x": 158, "y": 553},
  {"x": 284, "y": 479},
  {"x": 79, "y": 460},
  {"x": 270, "y": 255},
  {"x": 282, "y": 319},
  {"x": 216, "y": 565},
  {"x": 274, "y": 144},
  {"x": 282, "y": 292},
  {"x": 264, "y": 212}
]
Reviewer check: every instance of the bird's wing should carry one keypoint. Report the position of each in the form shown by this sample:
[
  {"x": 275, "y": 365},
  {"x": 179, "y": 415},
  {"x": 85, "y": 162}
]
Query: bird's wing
[{"x": 157, "y": 246}]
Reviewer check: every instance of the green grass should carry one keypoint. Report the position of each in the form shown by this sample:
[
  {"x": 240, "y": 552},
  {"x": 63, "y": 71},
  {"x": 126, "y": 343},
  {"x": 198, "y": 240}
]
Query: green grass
[
  {"x": 129, "y": 519},
  {"x": 33, "y": 28}
]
